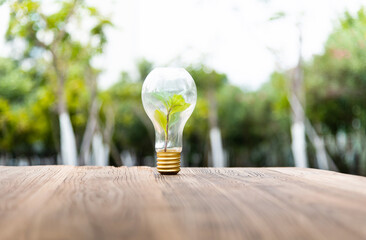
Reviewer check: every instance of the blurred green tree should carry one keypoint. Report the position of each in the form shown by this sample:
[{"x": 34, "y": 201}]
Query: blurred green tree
[
  {"x": 49, "y": 40},
  {"x": 209, "y": 82},
  {"x": 337, "y": 80},
  {"x": 25, "y": 126},
  {"x": 133, "y": 131}
]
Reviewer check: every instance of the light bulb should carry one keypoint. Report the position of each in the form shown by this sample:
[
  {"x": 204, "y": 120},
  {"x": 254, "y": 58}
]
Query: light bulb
[{"x": 169, "y": 96}]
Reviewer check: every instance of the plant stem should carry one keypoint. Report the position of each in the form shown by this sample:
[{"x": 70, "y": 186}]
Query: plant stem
[{"x": 167, "y": 131}]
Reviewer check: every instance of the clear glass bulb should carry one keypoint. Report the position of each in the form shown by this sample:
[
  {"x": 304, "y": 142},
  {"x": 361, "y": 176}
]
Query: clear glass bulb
[{"x": 169, "y": 97}]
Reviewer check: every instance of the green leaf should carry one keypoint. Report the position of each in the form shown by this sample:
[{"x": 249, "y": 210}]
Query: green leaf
[
  {"x": 177, "y": 104},
  {"x": 174, "y": 105},
  {"x": 173, "y": 119},
  {"x": 176, "y": 100},
  {"x": 162, "y": 97},
  {"x": 93, "y": 11},
  {"x": 277, "y": 15},
  {"x": 180, "y": 108},
  {"x": 161, "y": 119}
]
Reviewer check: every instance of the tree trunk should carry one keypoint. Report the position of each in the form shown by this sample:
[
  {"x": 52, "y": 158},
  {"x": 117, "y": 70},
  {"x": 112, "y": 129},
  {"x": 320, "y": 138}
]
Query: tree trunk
[
  {"x": 67, "y": 136},
  {"x": 100, "y": 151},
  {"x": 84, "y": 157},
  {"x": 298, "y": 116},
  {"x": 107, "y": 135},
  {"x": 324, "y": 161},
  {"x": 142, "y": 116},
  {"x": 298, "y": 145},
  {"x": 319, "y": 145},
  {"x": 217, "y": 152},
  {"x": 67, "y": 142}
]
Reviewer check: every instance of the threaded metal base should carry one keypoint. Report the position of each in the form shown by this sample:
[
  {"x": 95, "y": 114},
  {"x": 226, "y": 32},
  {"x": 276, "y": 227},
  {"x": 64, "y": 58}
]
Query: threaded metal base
[{"x": 168, "y": 162}]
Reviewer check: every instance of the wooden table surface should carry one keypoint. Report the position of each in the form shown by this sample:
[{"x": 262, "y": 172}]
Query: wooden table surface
[{"x": 64, "y": 202}]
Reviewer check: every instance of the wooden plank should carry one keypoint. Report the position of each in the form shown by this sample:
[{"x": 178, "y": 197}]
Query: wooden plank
[{"x": 64, "y": 202}]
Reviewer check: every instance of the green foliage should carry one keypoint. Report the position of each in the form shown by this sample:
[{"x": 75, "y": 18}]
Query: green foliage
[
  {"x": 206, "y": 78},
  {"x": 15, "y": 85},
  {"x": 161, "y": 119},
  {"x": 337, "y": 78},
  {"x": 277, "y": 15},
  {"x": 255, "y": 125},
  {"x": 177, "y": 104},
  {"x": 162, "y": 97},
  {"x": 133, "y": 130},
  {"x": 335, "y": 91},
  {"x": 174, "y": 105},
  {"x": 62, "y": 68},
  {"x": 144, "y": 67},
  {"x": 24, "y": 112}
]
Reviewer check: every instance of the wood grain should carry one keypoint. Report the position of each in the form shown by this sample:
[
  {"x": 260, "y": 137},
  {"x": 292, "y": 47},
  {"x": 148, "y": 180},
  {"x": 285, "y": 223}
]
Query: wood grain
[{"x": 64, "y": 202}]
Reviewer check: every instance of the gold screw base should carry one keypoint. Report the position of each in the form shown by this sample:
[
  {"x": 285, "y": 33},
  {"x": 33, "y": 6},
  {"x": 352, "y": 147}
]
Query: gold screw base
[{"x": 168, "y": 162}]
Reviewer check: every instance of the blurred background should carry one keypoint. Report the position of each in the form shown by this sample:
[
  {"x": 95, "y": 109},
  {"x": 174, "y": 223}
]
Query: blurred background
[{"x": 280, "y": 82}]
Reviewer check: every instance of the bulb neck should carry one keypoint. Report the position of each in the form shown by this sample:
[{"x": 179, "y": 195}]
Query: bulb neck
[{"x": 168, "y": 162}]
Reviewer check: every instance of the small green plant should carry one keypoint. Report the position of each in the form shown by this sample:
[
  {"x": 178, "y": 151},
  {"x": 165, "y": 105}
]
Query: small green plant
[{"x": 174, "y": 105}]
